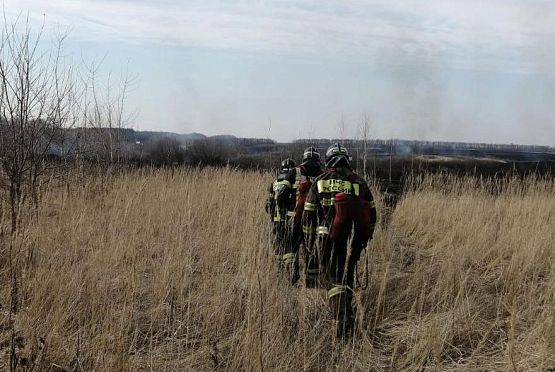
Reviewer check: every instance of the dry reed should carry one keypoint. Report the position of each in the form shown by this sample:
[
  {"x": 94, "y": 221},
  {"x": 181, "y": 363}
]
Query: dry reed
[{"x": 172, "y": 270}]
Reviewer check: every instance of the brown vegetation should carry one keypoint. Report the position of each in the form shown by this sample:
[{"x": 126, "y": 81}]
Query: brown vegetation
[{"x": 172, "y": 270}]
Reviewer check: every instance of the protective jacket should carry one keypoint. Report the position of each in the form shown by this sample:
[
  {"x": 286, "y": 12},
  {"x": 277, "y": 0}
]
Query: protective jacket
[
  {"x": 281, "y": 201},
  {"x": 286, "y": 203},
  {"x": 305, "y": 175},
  {"x": 338, "y": 202},
  {"x": 289, "y": 191}
]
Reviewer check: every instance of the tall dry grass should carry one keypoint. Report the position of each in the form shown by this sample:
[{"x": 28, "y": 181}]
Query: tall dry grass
[{"x": 161, "y": 270}]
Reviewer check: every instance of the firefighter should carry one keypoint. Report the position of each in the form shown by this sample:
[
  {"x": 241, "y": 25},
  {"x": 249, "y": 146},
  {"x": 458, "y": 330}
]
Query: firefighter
[
  {"x": 304, "y": 175},
  {"x": 338, "y": 203},
  {"x": 281, "y": 208},
  {"x": 294, "y": 183}
]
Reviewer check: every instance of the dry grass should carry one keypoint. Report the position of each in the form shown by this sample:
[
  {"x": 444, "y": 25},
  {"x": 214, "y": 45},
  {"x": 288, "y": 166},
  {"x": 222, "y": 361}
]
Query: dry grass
[{"x": 172, "y": 271}]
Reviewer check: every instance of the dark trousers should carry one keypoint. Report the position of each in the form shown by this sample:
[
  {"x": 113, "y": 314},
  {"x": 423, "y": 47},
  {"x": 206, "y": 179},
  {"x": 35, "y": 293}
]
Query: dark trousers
[
  {"x": 352, "y": 216},
  {"x": 287, "y": 236}
]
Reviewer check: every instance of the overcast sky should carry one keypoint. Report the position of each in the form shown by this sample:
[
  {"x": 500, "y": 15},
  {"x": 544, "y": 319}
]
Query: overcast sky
[{"x": 463, "y": 70}]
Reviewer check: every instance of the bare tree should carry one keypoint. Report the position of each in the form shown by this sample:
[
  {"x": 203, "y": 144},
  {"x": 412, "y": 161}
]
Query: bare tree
[
  {"x": 342, "y": 128},
  {"x": 364, "y": 133},
  {"x": 37, "y": 96},
  {"x": 104, "y": 119}
]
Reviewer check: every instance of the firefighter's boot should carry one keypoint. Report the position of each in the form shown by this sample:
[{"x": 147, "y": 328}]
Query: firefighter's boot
[{"x": 341, "y": 303}]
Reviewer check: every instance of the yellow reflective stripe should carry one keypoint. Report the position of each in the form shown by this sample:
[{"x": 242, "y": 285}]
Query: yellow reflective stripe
[
  {"x": 291, "y": 214},
  {"x": 338, "y": 186},
  {"x": 309, "y": 230},
  {"x": 322, "y": 184},
  {"x": 277, "y": 215},
  {"x": 278, "y": 184},
  {"x": 328, "y": 202},
  {"x": 309, "y": 206},
  {"x": 322, "y": 230},
  {"x": 337, "y": 290},
  {"x": 289, "y": 257}
]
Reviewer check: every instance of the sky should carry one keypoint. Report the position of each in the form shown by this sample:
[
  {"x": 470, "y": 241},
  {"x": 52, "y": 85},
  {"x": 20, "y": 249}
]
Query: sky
[{"x": 456, "y": 70}]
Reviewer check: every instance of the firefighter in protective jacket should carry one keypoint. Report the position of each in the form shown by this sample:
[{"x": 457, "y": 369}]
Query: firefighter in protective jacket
[
  {"x": 338, "y": 203},
  {"x": 281, "y": 208},
  {"x": 287, "y": 195},
  {"x": 303, "y": 175}
]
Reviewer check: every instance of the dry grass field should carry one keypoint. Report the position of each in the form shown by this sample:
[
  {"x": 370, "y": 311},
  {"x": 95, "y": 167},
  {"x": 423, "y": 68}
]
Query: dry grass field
[{"x": 162, "y": 270}]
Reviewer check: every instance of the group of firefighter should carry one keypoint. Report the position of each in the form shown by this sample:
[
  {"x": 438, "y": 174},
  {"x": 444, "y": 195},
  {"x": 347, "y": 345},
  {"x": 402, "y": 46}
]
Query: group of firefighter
[{"x": 321, "y": 207}]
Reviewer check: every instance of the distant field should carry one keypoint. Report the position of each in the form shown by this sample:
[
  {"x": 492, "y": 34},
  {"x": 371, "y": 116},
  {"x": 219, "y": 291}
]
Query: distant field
[{"x": 172, "y": 270}]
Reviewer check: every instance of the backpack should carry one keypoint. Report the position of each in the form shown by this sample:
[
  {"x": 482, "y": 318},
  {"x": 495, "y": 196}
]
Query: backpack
[{"x": 302, "y": 184}]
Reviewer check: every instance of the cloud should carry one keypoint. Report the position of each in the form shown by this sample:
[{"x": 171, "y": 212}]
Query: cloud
[
  {"x": 468, "y": 33},
  {"x": 457, "y": 69}
]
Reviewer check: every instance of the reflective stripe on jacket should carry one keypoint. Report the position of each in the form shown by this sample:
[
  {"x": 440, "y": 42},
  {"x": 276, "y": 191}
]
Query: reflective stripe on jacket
[{"x": 319, "y": 210}]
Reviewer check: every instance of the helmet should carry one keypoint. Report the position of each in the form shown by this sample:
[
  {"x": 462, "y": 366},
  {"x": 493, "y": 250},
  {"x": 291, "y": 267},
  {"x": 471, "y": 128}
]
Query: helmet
[
  {"x": 287, "y": 164},
  {"x": 335, "y": 153},
  {"x": 310, "y": 153}
]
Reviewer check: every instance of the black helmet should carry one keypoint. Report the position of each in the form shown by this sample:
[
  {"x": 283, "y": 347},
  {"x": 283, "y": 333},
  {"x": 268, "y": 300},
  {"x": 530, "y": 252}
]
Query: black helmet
[
  {"x": 311, "y": 154},
  {"x": 287, "y": 164},
  {"x": 335, "y": 154}
]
